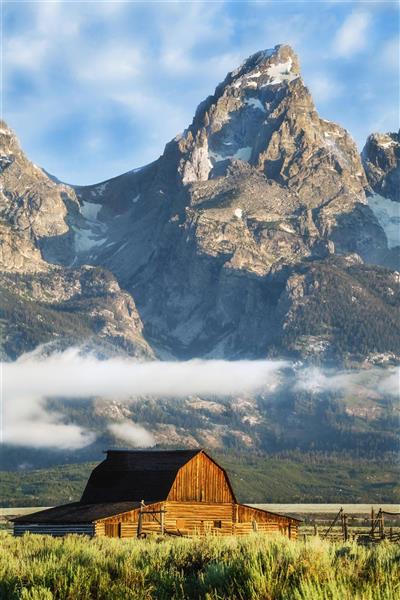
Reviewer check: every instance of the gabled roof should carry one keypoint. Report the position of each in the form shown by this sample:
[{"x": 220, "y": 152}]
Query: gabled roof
[
  {"x": 77, "y": 512},
  {"x": 135, "y": 475}
]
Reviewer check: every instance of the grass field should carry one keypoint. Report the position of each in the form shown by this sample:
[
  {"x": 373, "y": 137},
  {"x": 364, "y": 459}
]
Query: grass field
[{"x": 249, "y": 568}]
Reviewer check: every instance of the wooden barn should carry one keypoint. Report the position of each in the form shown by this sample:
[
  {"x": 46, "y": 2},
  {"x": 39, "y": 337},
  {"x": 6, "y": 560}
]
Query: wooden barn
[{"x": 133, "y": 493}]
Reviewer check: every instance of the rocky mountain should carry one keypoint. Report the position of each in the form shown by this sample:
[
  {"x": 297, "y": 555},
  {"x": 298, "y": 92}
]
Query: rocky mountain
[
  {"x": 40, "y": 302},
  {"x": 251, "y": 235},
  {"x": 381, "y": 161}
]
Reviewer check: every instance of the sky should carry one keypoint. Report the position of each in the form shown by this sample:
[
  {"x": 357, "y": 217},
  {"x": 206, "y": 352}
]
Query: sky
[{"x": 95, "y": 89}]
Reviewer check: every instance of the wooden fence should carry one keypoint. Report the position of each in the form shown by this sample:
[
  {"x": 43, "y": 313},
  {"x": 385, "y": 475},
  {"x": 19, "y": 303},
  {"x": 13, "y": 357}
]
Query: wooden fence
[{"x": 380, "y": 525}]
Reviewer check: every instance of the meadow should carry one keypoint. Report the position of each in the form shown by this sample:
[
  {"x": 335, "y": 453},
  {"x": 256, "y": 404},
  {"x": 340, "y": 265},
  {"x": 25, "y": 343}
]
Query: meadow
[{"x": 247, "y": 568}]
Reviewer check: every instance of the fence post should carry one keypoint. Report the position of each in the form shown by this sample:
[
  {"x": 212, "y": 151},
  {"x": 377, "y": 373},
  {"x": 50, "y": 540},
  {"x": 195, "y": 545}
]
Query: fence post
[
  {"x": 342, "y": 524},
  {"x": 139, "y": 527},
  {"x": 345, "y": 528},
  {"x": 340, "y": 513},
  {"x": 162, "y": 515},
  {"x": 381, "y": 525},
  {"x": 315, "y": 528},
  {"x": 140, "y": 519},
  {"x": 372, "y": 522}
]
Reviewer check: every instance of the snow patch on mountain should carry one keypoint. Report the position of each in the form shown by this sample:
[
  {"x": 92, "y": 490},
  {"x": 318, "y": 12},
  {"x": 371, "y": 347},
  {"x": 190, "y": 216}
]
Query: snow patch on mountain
[
  {"x": 90, "y": 210},
  {"x": 281, "y": 72},
  {"x": 86, "y": 239},
  {"x": 388, "y": 214},
  {"x": 92, "y": 232},
  {"x": 255, "y": 103},
  {"x": 243, "y": 153}
]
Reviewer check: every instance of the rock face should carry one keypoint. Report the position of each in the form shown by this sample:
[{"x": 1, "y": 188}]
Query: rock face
[
  {"x": 228, "y": 238},
  {"x": 381, "y": 160},
  {"x": 31, "y": 207},
  {"x": 41, "y": 303}
]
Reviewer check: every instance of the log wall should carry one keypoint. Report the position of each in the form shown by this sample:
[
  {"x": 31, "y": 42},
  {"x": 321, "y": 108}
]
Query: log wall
[{"x": 198, "y": 518}]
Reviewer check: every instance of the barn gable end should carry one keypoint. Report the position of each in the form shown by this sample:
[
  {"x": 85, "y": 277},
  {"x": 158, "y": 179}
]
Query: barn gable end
[{"x": 201, "y": 479}]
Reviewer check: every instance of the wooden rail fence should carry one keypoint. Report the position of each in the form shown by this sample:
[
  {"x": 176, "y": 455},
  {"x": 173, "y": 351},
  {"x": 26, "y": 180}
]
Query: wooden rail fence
[{"x": 346, "y": 527}]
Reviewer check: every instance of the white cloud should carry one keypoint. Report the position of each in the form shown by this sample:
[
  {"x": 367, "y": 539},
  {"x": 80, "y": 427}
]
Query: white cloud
[
  {"x": 352, "y": 36},
  {"x": 391, "y": 383},
  {"x": 317, "y": 380},
  {"x": 133, "y": 434},
  {"x": 70, "y": 373},
  {"x": 30, "y": 381},
  {"x": 27, "y": 422}
]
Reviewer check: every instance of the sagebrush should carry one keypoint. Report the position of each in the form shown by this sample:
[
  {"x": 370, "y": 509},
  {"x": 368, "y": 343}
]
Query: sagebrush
[{"x": 249, "y": 568}]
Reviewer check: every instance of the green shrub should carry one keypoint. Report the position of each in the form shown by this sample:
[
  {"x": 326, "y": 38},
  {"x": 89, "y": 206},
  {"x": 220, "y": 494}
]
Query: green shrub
[{"x": 249, "y": 568}]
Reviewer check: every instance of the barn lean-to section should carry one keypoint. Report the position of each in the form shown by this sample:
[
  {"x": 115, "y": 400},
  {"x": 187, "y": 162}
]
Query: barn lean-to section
[
  {"x": 189, "y": 519},
  {"x": 136, "y": 493}
]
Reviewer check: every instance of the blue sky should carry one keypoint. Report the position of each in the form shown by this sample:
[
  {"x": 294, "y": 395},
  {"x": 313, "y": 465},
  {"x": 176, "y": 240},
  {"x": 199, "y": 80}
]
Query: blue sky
[{"x": 94, "y": 89}]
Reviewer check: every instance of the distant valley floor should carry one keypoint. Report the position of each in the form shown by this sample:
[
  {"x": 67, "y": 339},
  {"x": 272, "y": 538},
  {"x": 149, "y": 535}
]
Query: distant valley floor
[{"x": 285, "y": 478}]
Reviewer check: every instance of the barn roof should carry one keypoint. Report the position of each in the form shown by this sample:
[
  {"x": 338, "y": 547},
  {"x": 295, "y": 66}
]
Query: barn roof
[
  {"x": 77, "y": 512},
  {"x": 135, "y": 475}
]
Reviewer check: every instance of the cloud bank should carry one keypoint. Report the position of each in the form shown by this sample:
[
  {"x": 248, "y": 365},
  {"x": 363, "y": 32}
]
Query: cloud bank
[
  {"x": 133, "y": 434},
  {"x": 29, "y": 382},
  {"x": 32, "y": 380},
  {"x": 317, "y": 380}
]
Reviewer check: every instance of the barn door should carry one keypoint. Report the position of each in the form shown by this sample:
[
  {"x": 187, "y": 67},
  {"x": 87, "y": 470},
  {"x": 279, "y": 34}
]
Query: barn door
[{"x": 112, "y": 529}]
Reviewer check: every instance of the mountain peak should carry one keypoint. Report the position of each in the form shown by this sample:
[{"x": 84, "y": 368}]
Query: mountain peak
[
  {"x": 263, "y": 114},
  {"x": 4, "y": 128},
  {"x": 272, "y": 64},
  {"x": 8, "y": 143}
]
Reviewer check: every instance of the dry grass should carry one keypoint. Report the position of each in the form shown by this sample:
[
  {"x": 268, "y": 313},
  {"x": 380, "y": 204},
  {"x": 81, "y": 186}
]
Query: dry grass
[{"x": 249, "y": 568}]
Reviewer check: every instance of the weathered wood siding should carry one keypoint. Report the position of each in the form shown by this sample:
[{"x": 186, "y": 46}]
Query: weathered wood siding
[
  {"x": 191, "y": 518},
  {"x": 125, "y": 524},
  {"x": 198, "y": 518},
  {"x": 250, "y": 519},
  {"x": 201, "y": 480}
]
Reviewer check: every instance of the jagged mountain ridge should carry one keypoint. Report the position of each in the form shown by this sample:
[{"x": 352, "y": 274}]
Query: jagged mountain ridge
[
  {"x": 44, "y": 303},
  {"x": 223, "y": 242}
]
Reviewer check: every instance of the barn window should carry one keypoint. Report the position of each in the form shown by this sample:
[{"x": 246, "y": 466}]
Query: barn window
[{"x": 217, "y": 524}]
